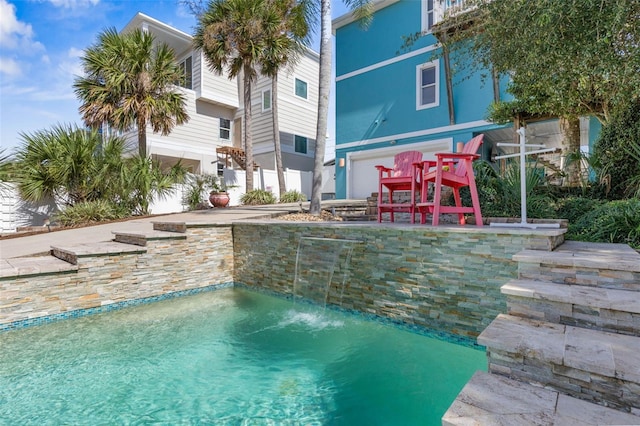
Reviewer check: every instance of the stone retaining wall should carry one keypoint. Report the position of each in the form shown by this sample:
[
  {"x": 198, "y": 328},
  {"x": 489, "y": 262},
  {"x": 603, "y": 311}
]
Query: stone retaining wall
[
  {"x": 162, "y": 267},
  {"x": 444, "y": 278}
]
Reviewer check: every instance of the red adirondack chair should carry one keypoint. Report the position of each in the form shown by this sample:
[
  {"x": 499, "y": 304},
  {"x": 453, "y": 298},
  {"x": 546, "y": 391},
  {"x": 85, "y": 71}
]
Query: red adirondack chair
[
  {"x": 454, "y": 170},
  {"x": 404, "y": 176}
]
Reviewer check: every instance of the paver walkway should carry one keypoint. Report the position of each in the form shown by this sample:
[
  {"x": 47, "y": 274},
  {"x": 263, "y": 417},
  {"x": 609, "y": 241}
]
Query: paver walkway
[{"x": 41, "y": 243}]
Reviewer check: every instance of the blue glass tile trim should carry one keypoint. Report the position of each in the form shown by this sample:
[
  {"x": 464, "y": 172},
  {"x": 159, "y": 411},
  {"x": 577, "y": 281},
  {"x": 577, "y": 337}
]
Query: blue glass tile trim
[
  {"x": 412, "y": 328},
  {"x": 79, "y": 313}
]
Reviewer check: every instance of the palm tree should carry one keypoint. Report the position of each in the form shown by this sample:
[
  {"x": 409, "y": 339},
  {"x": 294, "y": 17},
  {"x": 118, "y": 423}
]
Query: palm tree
[
  {"x": 129, "y": 80},
  {"x": 287, "y": 34},
  {"x": 144, "y": 179},
  {"x": 363, "y": 11},
  {"x": 6, "y": 168},
  {"x": 68, "y": 164},
  {"x": 231, "y": 35}
]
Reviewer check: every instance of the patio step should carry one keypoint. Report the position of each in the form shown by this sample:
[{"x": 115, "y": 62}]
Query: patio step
[
  {"x": 123, "y": 243},
  {"x": 356, "y": 211},
  {"x": 615, "y": 266},
  {"x": 611, "y": 310},
  {"x": 592, "y": 365},
  {"x": 488, "y": 399}
]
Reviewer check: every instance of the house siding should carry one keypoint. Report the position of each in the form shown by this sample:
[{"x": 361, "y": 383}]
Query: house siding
[
  {"x": 376, "y": 111},
  {"x": 214, "y": 96},
  {"x": 216, "y": 88},
  {"x": 296, "y": 116}
]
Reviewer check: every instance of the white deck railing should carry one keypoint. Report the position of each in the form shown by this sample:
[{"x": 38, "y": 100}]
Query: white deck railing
[{"x": 450, "y": 8}]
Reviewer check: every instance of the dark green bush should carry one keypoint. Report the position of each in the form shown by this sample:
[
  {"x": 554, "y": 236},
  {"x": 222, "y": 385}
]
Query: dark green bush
[
  {"x": 258, "y": 197},
  {"x": 617, "y": 153},
  {"x": 612, "y": 222},
  {"x": 90, "y": 212},
  {"x": 293, "y": 196},
  {"x": 500, "y": 195},
  {"x": 572, "y": 208}
]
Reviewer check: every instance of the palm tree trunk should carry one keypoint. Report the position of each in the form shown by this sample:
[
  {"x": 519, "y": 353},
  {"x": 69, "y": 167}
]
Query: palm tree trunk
[
  {"x": 276, "y": 134},
  {"x": 571, "y": 132},
  {"x": 323, "y": 105},
  {"x": 248, "y": 141},
  {"x": 142, "y": 137}
]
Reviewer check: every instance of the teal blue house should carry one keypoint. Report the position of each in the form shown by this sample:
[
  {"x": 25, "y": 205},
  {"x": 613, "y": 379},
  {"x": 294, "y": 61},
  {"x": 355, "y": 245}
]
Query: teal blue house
[{"x": 391, "y": 99}]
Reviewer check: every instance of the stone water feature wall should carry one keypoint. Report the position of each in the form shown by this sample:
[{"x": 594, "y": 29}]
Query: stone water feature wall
[{"x": 443, "y": 278}]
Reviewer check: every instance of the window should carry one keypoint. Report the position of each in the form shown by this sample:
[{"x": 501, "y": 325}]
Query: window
[
  {"x": 225, "y": 128},
  {"x": 300, "y": 144},
  {"x": 428, "y": 15},
  {"x": 301, "y": 88},
  {"x": 427, "y": 93},
  {"x": 266, "y": 100},
  {"x": 186, "y": 70}
]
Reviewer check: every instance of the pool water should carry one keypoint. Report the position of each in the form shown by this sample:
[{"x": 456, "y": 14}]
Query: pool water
[{"x": 228, "y": 357}]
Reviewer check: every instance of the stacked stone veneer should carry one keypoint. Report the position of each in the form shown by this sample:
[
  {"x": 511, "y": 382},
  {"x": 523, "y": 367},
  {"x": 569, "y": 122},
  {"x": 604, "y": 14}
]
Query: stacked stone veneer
[
  {"x": 443, "y": 278},
  {"x": 137, "y": 267},
  {"x": 573, "y": 324}
]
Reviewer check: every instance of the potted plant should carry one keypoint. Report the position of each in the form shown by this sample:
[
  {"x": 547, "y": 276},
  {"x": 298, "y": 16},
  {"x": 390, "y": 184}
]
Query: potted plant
[
  {"x": 196, "y": 187},
  {"x": 218, "y": 196}
]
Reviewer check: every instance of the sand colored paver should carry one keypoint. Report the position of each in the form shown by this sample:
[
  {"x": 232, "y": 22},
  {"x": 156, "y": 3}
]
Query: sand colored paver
[{"x": 489, "y": 399}]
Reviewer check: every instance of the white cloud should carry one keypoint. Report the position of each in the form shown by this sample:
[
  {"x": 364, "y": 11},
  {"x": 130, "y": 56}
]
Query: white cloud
[
  {"x": 9, "y": 67},
  {"x": 17, "y": 91},
  {"x": 73, "y": 4},
  {"x": 69, "y": 69},
  {"x": 15, "y": 34},
  {"x": 45, "y": 59},
  {"x": 75, "y": 53}
]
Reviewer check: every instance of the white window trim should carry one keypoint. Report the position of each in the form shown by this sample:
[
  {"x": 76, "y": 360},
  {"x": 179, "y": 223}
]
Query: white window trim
[
  {"x": 424, "y": 22},
  {"x": 294, "y": 88},
  {"x": 220, "y": 128},
  {"x": 270, "y": 100},
  {"x": 183, "y": 61},
  {"x": 433, "y": 64}
]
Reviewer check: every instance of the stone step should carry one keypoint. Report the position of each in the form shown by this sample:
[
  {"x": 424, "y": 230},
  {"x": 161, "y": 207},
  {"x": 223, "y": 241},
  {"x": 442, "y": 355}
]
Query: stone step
[
  {"x": 142, "y": 238},
  {"x": 616, "y": 311},
  {"x": 489, "y": 399},
  {"x": 592, "y": 365},
  {"x": 31, "y": 266},
  {"x": 71, "y": 254},
  {"x": 600, "y": 265}
]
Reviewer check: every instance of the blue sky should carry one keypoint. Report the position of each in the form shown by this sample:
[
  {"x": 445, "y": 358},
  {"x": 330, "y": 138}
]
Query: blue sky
[{"x": 41, "y": 42}]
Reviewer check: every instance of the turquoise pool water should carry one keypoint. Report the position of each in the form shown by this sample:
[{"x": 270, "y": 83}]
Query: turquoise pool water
[{"x": 228, "y": 357}]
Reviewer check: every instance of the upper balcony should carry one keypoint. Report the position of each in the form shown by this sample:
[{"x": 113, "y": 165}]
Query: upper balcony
[{"x": 454, "y": 15}]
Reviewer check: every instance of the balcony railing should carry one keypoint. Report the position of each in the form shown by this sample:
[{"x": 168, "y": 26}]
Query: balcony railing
[
  {"x": 451, "y": 15},
  {"x": 451, "y": 8}
]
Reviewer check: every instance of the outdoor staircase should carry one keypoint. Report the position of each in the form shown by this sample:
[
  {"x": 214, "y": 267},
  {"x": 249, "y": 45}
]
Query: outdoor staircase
[
  {"x": 354, "y": 210},
  {"x": 236, "y": 154},
  {"x": 568, "y": 349}
]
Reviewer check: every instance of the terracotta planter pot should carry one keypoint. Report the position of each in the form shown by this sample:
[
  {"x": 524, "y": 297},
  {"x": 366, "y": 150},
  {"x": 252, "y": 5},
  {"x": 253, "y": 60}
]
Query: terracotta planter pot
[{"x": 219, "y": 199}]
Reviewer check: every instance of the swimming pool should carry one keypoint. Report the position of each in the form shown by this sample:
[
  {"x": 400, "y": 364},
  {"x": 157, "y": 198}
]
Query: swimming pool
[{"x": 230, "y": 356}]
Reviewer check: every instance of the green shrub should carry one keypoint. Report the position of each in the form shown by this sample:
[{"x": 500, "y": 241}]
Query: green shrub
[
  {"x": 572, "y": 208},
  {"x": 293, "y": 196},
  {"x": 612, "y": 222},
  {"x": 617, "y": 153},
  {"x": 198, "y": 187},
  {"x": 90, "y": 212},
  {"x": 500, "y": 195},
  {"x": 258, "y": 197}
]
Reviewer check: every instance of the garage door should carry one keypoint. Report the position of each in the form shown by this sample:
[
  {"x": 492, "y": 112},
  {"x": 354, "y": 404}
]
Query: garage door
[{"x": 362, "y": 176}]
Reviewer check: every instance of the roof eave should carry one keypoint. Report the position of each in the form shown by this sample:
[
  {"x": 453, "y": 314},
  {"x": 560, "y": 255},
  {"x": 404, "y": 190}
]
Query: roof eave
[{"x": 349, "y": 17}]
